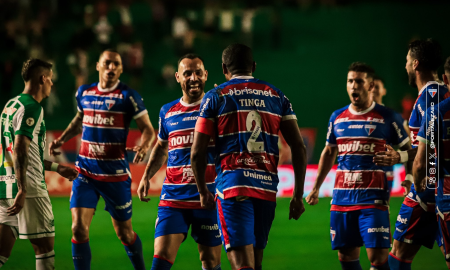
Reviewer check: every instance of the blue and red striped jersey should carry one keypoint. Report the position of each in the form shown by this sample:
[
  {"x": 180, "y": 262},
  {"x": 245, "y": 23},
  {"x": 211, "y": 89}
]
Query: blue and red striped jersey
[
  {"x": 247, "y": 113},
  {"x": 176, "y": 126},
  {"x": 107, "y": 114},
  {"x": 358, "y": 136},
  {"x": 437, "y": 125},
  {"x": 432, "y": 92}
]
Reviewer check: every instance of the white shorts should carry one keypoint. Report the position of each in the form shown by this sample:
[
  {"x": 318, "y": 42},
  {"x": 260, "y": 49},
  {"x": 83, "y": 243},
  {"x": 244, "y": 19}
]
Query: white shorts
[{"x": 35, "y": 220}]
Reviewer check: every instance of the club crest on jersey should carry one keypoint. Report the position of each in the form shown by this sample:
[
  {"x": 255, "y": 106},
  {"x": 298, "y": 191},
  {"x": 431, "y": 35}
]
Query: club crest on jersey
[
  {"x": 432, "y": 92},
  {"x": 370, "y": 128},
  {"x": 109, "y": 103}
]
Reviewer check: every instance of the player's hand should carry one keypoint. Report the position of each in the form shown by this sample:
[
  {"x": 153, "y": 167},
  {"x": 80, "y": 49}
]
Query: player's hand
[
  {"x": 296, "y": 208},
  {"x": 55, "y": 144},
  {"x": 387, "y": 158},
  {"x": 313, "y": 197},
  {"x": 19, "y": 202},
  {"x": 141, "y": 152},
  {"x": 143, "y": 188},
  {"x": 207, "y": 201},
  {"x": 67, "y": 172},
  {"x": 420, "y": 187},
  {"x": 407, "y": 186}
]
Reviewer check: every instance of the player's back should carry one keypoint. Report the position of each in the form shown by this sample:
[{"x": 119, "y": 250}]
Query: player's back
[
  {"x": 248, "y": 113},
  {"x": 432, "y": 93},
  {"x": 107, "y": 114},
  {"x": 176, "y": 127},
  {"x": 358, "y": 136}
]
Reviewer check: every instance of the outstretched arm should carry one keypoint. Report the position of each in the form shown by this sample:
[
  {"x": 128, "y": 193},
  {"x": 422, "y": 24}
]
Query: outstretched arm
[
  {"x": 75, "y": 127},
  {"x": 291, "y": 133},
  {"x": 157, "y": 159},
  {"x": 147, "y": 137},
  {"x": 326, "y": 162},
  {"x": 199, "y": 162},
  {"x": 65, "y": 171}
]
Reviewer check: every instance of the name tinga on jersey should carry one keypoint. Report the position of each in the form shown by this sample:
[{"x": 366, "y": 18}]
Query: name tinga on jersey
[{"x": 356, "y": 146}]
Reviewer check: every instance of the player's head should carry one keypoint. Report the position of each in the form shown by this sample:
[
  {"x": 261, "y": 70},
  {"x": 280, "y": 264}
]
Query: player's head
[
  {"x": 446, "y": 75},
  {"x": 36, "y": 72},
  {"x": 191, "y": 75},
  {"x": 423, "y": 56},
  {"x": 237, "y": 59},
  {"x": 360, "y": 84},
  {"x": 109, "y": 66},
  {"x": 379, "y": 91}
]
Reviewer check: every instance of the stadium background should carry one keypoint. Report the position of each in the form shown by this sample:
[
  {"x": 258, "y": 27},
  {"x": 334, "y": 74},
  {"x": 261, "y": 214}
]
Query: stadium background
[{"x": 302, "y": 46}]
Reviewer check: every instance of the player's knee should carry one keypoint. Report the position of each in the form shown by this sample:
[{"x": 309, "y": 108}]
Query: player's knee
[
  {"x": 80, "y": 232},
  {"x": 209, "y": 261},
  {"x": 125, "y": 236}
]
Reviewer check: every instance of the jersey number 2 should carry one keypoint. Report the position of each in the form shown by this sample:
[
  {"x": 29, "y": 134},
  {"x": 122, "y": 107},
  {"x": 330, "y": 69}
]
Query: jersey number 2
[{"x": 254, "y": 121}]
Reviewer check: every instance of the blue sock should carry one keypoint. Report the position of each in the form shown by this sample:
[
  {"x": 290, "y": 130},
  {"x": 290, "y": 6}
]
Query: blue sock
[
  {"x": 258, "y": 267},
  {"x": 160, "y": 263},
  {"x": 81, "y": 255},
  {"x": 384, "y": 266},
  {"x": 217, "y": 267},
  {"x": 398, "y": 264},
  {"x": 351, "y": 265},
  {"x": 134, "y": 252}
]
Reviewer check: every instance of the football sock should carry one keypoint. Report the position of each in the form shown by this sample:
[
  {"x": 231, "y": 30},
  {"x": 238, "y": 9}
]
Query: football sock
[
  {"x": 45, "y": 261},
  {"x": 246, "y": 267},
  {"x": 258, "y": 267},
  {"x": 160, "y": 263},
  {"x": 81, "y": 255},
  {"x": 2, "y": 261},
  {"x": 398, "y": 264},
  {"x": 134, "y": 251},
  {"x": 215, "y": 268},
  {"x": 383, "y": 266},
  {"x": 351, "y": 265}
]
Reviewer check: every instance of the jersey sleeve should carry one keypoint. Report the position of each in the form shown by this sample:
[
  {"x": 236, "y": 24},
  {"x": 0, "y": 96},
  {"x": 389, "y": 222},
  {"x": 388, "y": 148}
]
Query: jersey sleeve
[
  {"x": 136, "y": 105},
  {"x": 331, "y": 137},
  {"x": 209, "y": 109},
  {"x": 28, "y": 119},
  {"x": 78, "y": 96},
  {"x": 287, "y": 111},
  {"x": 398, "y": 134},
  {"x": 428, "y": 122},
  {"x": 163, "y": 135}
]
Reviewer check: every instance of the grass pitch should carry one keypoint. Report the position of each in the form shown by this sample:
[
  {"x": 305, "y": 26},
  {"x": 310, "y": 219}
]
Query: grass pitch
[{"x": 303, "y": 244}]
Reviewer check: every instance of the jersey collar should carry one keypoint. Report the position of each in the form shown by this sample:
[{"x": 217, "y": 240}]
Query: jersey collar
[
  {"x": 426, "y": 85},
  {"x": 243, "y": 77},
  {"x": 114, "y": 87},
  {"x": 190, "y": 104},
  {"x": 362, "y": 112}
]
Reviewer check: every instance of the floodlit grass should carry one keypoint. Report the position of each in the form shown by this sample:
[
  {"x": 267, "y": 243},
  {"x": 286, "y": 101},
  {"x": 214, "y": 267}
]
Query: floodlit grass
[{"x": 303, "y": 244}]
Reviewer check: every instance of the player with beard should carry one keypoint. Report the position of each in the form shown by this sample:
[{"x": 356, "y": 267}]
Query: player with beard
[
  {"x": 179, "y": 207},
  {"x": 105, "y": 111},
  {"x": 416, "y": 224},
  {"x": 359, "y": 210}
]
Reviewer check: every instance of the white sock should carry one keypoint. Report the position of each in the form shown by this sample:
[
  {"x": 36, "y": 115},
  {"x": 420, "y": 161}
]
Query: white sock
[
  {"x": 2, "y": 261},
  {"x": 45, "y": 261}
]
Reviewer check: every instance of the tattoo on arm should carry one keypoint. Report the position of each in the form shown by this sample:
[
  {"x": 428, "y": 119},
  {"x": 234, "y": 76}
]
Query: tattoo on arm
[{"x": 75, "y": 127}]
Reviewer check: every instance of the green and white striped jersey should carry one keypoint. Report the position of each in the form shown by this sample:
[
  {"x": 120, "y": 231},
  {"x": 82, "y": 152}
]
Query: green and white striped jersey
[{"x": 25, "y": 116}]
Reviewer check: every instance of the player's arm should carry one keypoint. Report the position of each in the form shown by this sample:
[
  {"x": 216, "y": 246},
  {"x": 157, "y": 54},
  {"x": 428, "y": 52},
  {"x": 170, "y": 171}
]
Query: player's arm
[
  {"x": 64, "y": 171},
  {"x": 199, "y": 154},
  {"x": 75, "y": 127},
  {"x": 408, "y": 168},
  {"x": 20, "y": 159},
  {"x": 291, "y": 133},
  {"x": 326, "y": 162},
  {"x": 419, "y": 168},
  {"x": 147, "y": 137},
  {"x": 391, "y": 157},
  {"x": 157, "y": 159}
]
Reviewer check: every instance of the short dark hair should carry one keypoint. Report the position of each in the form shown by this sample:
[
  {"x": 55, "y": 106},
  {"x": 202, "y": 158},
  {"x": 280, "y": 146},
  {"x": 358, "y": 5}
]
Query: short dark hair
[
  {"x": 378, "y": 78},
  {"x": 190, "y": 56},
  {"x": 362, "y": 67},
  {"x": 238, "y": 58},
  {"x": 447, "y": 65},
  {"x": 31, "y": 66},
  {"x": 109, "y": 50},
  {"x": 428, "y": 52}
]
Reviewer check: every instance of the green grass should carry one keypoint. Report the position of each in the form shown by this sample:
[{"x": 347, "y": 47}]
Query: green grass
[{"x": 302, "y": 244}]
